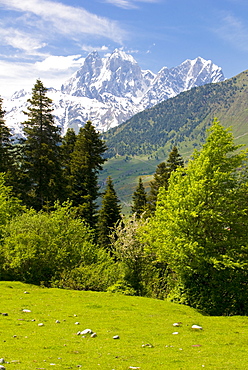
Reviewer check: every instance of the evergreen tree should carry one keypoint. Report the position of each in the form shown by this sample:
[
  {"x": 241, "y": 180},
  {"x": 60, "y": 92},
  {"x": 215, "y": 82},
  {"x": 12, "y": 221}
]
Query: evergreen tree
[
  {"x": 41, "y": 164},
  {"x": 6, "y": 150},
  {"x": 162, "y": 175},
  {"x": 67, "y": 148},
  {"x": 109, "y": 215},
  {"x": 86, "y": 162},
  {"x": 139, "y": 199}
]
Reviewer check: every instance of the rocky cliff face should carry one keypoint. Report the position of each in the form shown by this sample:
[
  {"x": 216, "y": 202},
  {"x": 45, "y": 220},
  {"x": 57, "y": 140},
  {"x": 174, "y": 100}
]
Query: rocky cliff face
[{"x": 110, "y": 90}]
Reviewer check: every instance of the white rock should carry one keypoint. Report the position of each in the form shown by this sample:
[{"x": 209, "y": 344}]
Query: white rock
[
  {"x": 116, "y": 337},
  {"x": 2, "y": 361},
  {"x": 77, "y": 323},
  {"x": 40, "y": 324},
  {"x": 176, "y": 324},
  {"x": 196, "y": 327},
  {"x": 57, "y": 322},
  {"x": 25, "y": 310},
  {"x": 2, "y": 367},
  {"x": 175, "y": 332},
  {"x": 86, "y": 331},
  {"x": 93, "y": 335}
]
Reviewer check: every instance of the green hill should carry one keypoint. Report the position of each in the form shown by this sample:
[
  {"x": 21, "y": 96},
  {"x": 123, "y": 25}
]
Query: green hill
[
  {"x": 139, "y": 144},
  {"x": 147, "y": 337}
]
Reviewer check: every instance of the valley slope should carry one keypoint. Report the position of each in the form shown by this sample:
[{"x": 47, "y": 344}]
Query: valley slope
[{"x": 138, "y": 145}]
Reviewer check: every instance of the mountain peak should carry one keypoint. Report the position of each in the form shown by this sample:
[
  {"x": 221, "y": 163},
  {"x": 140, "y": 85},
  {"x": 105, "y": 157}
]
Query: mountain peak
[{"x": 110, "y": 90}]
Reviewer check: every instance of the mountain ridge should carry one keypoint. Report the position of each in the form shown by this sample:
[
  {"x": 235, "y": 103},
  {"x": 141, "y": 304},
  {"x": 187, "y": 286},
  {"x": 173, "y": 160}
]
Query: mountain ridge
[{"x": 110, "y": 90}]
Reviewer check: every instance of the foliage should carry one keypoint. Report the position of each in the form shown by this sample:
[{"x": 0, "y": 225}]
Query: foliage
[
  {"x": 40, "y": 164},
  {"x": 40, "y": 246},
  {"x": 108, "y": 216},
  {"x": 139, "y": 199},
  {"x": 162, "y": 175},
  {"x": 200, "y": 227},
  {"x": 6, "y": 152},
  {"x": 86, "y": 162},
  {"x": 97, "y": 276}
]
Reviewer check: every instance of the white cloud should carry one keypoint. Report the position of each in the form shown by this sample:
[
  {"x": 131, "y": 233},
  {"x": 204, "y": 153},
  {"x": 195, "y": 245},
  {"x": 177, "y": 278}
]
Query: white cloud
[
  {"x": 90, "y": 48},
  {"x": 129, "y": 4},
  {"x": 67, "y": 20},
  {"x": 234, "y": 31},
  {"x": 20, "y": 40},
  {"x": 59, "y": 63}
]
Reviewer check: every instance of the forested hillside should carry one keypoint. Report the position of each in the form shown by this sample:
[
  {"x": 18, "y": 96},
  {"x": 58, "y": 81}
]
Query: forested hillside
[{"x": 183, "y": 120}]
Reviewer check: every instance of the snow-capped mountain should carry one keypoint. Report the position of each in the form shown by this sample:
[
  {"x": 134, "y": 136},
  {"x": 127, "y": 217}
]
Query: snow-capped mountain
[{"x": 110, "y": 90}]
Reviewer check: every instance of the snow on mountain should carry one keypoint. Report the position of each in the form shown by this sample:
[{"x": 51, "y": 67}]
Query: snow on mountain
[{"x": 110, "y": 90}]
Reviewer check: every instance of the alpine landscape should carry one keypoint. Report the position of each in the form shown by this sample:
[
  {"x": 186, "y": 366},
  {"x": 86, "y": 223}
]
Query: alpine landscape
[{"x": 123, "y": 184}]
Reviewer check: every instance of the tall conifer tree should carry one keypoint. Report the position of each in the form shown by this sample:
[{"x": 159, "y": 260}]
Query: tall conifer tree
[
  {"x": 139, "y": 199},
  {"x": 6, "y": 158},
  {"x": 109, "y": 214},
  {"x": 162, "y": 175},
  {"x": 41, "y": 165},
  {"x": 86, "y": 162}
]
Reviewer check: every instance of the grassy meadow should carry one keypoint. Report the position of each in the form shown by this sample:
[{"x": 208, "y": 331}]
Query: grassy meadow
[{"x": 147, "y": 338}]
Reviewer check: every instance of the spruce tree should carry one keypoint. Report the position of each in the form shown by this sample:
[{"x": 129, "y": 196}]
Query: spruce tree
[
  {"x": 162, "y": 175},
  {"x": 67, "y": 148},
  {"x": 139, "y": 199},
  {"x": 40, "y": 165},
  {"x": 6, "y": 150},
  {"x": 109, "y": 215},
  {"x": 86, "y": 162}
]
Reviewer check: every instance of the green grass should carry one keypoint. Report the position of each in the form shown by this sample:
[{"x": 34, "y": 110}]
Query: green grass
[{"x": 222, "y": 344}]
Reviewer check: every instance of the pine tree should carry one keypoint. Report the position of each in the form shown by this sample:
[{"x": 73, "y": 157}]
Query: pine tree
[
  {"x": 6, "y": 151},
  {"x": 86, "y": 162},
  {"x": 139, "y": 199},
  {"x": 162, "y": 175},
  {"x": 67, "y": 148},
  {"x": 109, "y": 215},
  {"x": 40, "y": 165}
]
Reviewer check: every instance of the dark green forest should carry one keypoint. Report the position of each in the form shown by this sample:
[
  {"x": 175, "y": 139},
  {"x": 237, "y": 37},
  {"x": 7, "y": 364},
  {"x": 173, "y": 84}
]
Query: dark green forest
[{"x": 186, "y": 239}]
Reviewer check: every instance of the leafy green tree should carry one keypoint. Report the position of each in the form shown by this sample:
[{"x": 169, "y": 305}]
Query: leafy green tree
[
  {"x": 86, "y": 162},
  {"x": 40, "y": 246},
  {"x": 109, "y": 215},
  {"x": 139, "y": 199},
  {"x": 200, "y": 227},
  {"x": 162, "y": 175},
  {"x": 41, "y": 163}
]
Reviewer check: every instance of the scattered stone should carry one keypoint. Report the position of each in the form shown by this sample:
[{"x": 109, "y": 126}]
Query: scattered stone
[
  {"x": 2, "y": 367},
  {"x": 93, "y": 335},
  {"x": 196, "y": 327},
  {"x": 177, "y": 324},
  {"x": 75, "y": 315},
  {"x": 196, "y": 345},
  {"x": 116, "y": 337},
  {"x": 175, "y": 332},
  {"x": 5, "y": 314},
  {"x": 14, "y": 336},
  {"x": 147, "y": 345},
  {"x": 134, "y": 367},
  {"x": 77, "y": 323},
  {"x": 86, "y": 331},
  {"x": 79, "y": 332},
  {"x": 26, "y": 292},
  {"x": 33, "y": 320},
  {"x": 57, "y": 322},
  {"x": 40, "y": 324},
  {"x": 25, "y": 310},
  {"x": 2, "y": 361}
]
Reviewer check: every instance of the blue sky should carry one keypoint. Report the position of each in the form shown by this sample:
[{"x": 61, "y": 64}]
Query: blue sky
[{"x": 49, "y": 39}]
